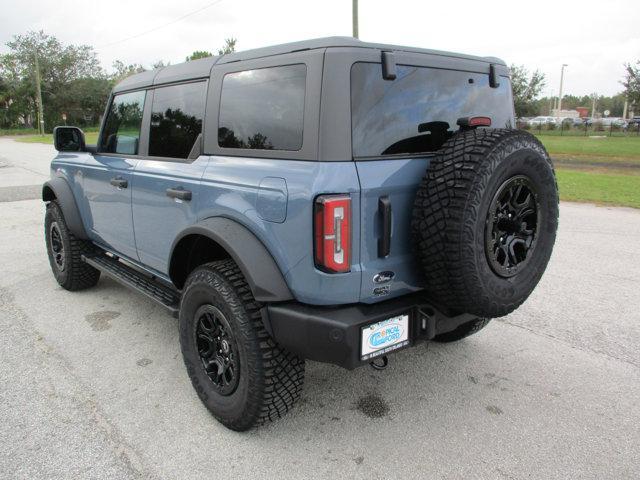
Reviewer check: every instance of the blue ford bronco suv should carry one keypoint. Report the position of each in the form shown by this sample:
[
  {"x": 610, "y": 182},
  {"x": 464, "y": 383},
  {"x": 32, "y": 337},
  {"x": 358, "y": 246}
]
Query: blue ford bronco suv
[{"x": 329, "y": 200}]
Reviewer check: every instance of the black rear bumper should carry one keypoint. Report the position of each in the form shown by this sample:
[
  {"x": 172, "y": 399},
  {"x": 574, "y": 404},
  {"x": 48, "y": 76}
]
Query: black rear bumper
[{"x": 332, "y": 334}]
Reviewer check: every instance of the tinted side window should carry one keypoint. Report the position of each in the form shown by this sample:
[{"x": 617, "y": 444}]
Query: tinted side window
[
  {"x": 263, "y": 109},
  {"x": 417, "y": 112},
  {"x": 121, "y": 132},
  {"x": 176, "y": 119}
]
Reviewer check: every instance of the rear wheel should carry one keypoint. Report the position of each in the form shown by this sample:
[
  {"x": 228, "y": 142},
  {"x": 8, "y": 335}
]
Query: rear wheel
[
  {"x": 65, "y": 252},
  {"x": 240, "y": 374}
]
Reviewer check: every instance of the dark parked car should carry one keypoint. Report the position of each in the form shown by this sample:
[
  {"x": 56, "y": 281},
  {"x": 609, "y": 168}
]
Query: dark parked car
[{"x": 330, "y": 200}]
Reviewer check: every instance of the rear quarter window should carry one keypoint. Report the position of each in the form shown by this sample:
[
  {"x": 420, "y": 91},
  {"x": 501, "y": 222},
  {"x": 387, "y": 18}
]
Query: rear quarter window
[
  {"x": 417, "y": 112},
  {"x": 263, "y": 109}
]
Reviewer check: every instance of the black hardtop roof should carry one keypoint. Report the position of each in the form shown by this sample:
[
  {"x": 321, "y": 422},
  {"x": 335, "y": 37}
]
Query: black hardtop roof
[{"x": 202, "y": 68}]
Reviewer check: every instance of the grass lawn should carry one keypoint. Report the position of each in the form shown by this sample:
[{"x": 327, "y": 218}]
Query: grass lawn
[
  {"x": 600, "y": 186},
  {"x": 602, "y": 170},
  {"x": 616, "y": 149},
  {"x": 90, "y": 137},
  {"x": 17, "y": 131}
]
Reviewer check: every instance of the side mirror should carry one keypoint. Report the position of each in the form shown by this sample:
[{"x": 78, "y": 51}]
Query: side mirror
[{"x": 69, "y": 139}]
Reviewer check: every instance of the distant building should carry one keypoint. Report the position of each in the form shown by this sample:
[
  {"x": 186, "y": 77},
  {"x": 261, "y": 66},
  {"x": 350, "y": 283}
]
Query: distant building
[
  {"x": 565, "y": 113},
  {"x": 583, "y": 111}
]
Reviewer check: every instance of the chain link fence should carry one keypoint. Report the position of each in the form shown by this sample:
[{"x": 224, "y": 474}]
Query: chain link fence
[{"x": 585, "y": 129}]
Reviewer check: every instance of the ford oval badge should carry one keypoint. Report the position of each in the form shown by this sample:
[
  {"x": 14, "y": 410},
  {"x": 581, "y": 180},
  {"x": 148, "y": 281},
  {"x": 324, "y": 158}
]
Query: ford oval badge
[{"x": 383, "y": 277}]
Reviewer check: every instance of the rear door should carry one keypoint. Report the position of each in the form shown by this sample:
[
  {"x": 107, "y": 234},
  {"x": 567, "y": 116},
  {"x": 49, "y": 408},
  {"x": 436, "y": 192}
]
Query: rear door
[
  {"x": 166, "y": 181},
  {"x": 108, "y": 173},
  {"x": 397, "y": 125}
]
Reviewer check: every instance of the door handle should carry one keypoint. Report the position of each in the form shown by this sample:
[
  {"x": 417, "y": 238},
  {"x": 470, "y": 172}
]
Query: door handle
[
  {"x": 384, "y": 242},
  {"x": 119, "y": 182},
  {"x": 179, "y": 193}
]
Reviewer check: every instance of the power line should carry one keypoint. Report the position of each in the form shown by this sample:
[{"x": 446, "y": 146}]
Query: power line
[{"x": 161, "y": 26}]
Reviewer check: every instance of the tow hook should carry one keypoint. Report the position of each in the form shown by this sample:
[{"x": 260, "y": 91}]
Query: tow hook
[{"x": 379, "y": 363}]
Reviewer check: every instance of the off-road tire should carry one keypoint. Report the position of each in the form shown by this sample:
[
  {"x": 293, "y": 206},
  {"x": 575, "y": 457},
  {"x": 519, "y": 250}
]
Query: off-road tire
[
  {"x": 463, "y": 331},
  {"x": 72, "y": 274},
  {"x": 270, "y": 378},
  {"x": 450, "y": 217}
]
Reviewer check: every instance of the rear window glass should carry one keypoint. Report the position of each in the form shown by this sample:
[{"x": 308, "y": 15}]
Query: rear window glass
[
  {"x": 121, "y": 132},
  {"x": 417, "y": 112},
  {"x": 176, "y": 119},
  {"x": 263, "y": 109}
]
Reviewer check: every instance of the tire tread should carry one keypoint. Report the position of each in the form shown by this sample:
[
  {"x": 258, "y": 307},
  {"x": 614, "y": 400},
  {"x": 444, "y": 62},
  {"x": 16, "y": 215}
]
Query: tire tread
[{"x": 445, "y": 212}]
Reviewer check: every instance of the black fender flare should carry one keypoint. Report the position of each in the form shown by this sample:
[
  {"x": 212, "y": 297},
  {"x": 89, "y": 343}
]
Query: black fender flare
[
  {"x": 59, "y": 189},
  {"x": 256, "y": 263}
]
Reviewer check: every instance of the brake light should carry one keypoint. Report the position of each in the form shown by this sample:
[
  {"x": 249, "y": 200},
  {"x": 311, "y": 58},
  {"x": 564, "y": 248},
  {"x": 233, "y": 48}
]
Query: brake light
[
  {"x": 332, "y": 233},
  {"x": 468, "y": 123},
  {"x": 480, "y": 122}
]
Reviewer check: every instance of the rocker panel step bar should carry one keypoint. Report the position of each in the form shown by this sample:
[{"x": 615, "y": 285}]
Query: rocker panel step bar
[{"x": 132, "y": 278}]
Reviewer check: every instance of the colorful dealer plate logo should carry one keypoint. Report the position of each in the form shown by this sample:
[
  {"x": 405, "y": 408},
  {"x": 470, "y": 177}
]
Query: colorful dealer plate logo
[{"x": 385, "y": 336}]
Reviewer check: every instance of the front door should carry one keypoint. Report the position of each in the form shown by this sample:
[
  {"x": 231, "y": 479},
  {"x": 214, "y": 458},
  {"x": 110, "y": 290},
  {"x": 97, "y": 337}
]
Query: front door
[{"x": 108, "y": 175}]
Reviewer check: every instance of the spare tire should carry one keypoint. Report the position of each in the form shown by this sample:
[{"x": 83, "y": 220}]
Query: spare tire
[{"x": 484, "y": 221}]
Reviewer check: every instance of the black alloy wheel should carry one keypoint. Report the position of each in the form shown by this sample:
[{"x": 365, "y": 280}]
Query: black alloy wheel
[
  {"x": 217, "y": 349},
  {"x": 511, "y": 226},
  {"x": 65, "y": 252},
  {"x": 57, "y": 246}
]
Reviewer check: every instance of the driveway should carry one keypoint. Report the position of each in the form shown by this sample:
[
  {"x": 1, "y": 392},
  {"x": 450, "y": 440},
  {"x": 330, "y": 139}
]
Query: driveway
[{"x": 92, "y": 384}]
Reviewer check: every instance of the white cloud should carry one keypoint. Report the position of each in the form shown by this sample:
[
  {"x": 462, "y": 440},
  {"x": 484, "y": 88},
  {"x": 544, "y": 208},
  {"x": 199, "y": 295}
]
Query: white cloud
[{"x": 595, "y": 38}]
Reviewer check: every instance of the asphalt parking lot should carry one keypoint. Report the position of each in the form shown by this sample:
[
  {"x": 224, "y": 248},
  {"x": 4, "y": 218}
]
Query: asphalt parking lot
[{"x": 92, "y": 384}]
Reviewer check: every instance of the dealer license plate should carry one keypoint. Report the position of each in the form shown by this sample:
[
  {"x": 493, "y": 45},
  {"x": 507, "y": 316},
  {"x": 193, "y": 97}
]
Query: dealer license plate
[{"x": 384, "y": 337}]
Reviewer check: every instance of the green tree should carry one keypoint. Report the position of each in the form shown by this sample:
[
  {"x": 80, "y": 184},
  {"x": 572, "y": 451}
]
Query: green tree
[
  {"x": 526, "y": 89},
  {"x": 631, "y": 83},
  {"x": 61, "y": 67},
  {"x": 160, "y": 64},
  {"x": 198, "y": 54},
  {"x": 614, "y": 104},
  {"x": 229, "y": 46},
  {"x": 122, "y": 70}
]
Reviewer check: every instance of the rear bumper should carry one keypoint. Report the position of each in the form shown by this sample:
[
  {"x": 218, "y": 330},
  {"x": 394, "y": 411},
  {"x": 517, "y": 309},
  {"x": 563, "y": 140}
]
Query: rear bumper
[{"x": 332, "y": 334}]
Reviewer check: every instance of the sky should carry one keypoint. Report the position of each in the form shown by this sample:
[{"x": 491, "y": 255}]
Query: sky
[{"x": 595, "y": 38}]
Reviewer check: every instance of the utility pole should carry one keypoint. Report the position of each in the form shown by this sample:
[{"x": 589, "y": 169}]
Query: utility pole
[
  {"x": 593, "y": 105},
  {"x": 560, "y": 93},
  {"x": 39, "y": 97},
  {"x": 355, "y": 19}
]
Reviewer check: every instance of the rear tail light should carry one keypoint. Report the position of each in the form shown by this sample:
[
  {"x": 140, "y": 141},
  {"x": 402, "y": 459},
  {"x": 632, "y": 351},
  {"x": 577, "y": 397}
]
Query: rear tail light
[{"x": 332, "y": 233}]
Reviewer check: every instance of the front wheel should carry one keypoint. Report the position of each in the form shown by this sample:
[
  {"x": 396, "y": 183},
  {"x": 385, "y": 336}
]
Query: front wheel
[
  {"x": 240, "y": 374},
  {"x": 65, "y": 252}
]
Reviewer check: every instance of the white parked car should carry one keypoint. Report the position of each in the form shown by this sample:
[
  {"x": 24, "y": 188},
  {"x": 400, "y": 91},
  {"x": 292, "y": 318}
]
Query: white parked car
[
  {"x": 615, "y": 121},
  {"x": 542, "y": 120}
]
